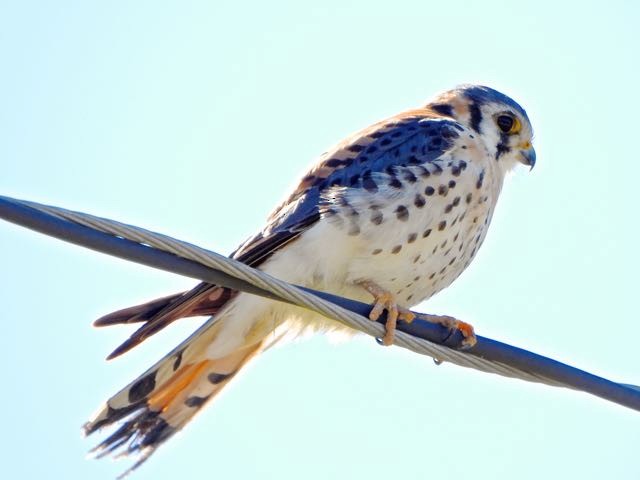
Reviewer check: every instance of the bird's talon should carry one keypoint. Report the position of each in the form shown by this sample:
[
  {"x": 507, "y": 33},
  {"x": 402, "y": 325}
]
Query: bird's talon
[
  {"x": 387, "y": 340},
  {"x": 406, "y": 315},
  {"x": 385, "y": 300},
  {"x": 468, "y": 334}
]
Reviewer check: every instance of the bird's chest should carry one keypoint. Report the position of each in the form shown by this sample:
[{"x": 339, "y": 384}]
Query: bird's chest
[{"x": 415, "y": 238}]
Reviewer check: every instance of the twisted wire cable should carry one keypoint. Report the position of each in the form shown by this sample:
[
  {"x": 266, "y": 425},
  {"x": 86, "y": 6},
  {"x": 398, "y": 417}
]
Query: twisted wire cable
[{"x": 487, "y": 356}]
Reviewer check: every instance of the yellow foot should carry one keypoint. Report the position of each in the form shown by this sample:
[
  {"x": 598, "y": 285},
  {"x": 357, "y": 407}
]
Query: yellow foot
[
  {"x": 469, "y": 336},
  {"x": 385, "y": 300}
]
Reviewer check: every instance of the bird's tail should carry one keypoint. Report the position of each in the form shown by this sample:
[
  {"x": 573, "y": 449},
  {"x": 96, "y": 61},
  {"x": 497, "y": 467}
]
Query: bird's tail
[{"x": 162, "y": 400}]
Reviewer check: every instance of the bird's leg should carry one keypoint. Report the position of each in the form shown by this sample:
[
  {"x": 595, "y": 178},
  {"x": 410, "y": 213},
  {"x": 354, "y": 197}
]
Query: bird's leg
[
  {"x": 385, "y": 300},
  {"x": 469, "y": 336}
]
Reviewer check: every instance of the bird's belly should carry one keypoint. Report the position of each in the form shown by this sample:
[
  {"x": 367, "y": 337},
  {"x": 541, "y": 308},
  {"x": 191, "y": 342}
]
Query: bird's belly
[
  {"x": 413, "y": 242},
  {"x": 414, "y": 264}
]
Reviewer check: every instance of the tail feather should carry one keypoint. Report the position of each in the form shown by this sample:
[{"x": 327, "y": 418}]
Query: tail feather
[
  {"x": 137, "y": 313},
  {"x": 134, "y": 396},
  {"x": 202, "y": 300},
  {"x": 166, "y": 397}
]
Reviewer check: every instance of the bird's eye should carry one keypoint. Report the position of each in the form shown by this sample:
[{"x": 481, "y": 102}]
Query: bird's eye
[{"x": 508, "y": 123}]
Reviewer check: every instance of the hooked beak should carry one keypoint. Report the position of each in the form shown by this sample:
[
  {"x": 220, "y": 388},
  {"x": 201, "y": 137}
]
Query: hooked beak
[{"x": 528, "y": 156}]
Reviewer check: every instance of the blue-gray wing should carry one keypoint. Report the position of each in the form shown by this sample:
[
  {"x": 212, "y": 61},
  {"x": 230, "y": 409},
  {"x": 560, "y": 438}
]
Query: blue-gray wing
[{"x": 415, "y": 138}]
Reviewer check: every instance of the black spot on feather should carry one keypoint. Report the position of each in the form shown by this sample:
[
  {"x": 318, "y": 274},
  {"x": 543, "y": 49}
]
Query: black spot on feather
[
  {"x": 142, "y": 388},
  {"x": 443, "y": 108},
  {"x": 195, "y": 401},
  {"x": 216, "y": 378},
  {"x": 476, "y": 116}
]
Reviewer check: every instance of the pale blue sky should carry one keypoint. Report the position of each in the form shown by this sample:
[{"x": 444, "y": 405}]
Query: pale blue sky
[{"x": 194, "y": 120}]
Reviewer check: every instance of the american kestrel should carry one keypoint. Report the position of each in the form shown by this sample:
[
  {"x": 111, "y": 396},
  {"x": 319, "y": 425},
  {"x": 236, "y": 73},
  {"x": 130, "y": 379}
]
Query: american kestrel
[{"x": 396, "y": 211}]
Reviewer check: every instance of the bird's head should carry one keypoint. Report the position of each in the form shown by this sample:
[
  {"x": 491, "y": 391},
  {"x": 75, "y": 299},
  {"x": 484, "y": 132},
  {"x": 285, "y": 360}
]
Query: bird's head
[{"x": 502, "y": 124}]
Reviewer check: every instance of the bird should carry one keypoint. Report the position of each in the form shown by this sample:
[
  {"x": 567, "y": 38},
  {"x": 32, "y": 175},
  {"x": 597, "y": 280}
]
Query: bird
[{"x": 394, "y": 213}]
